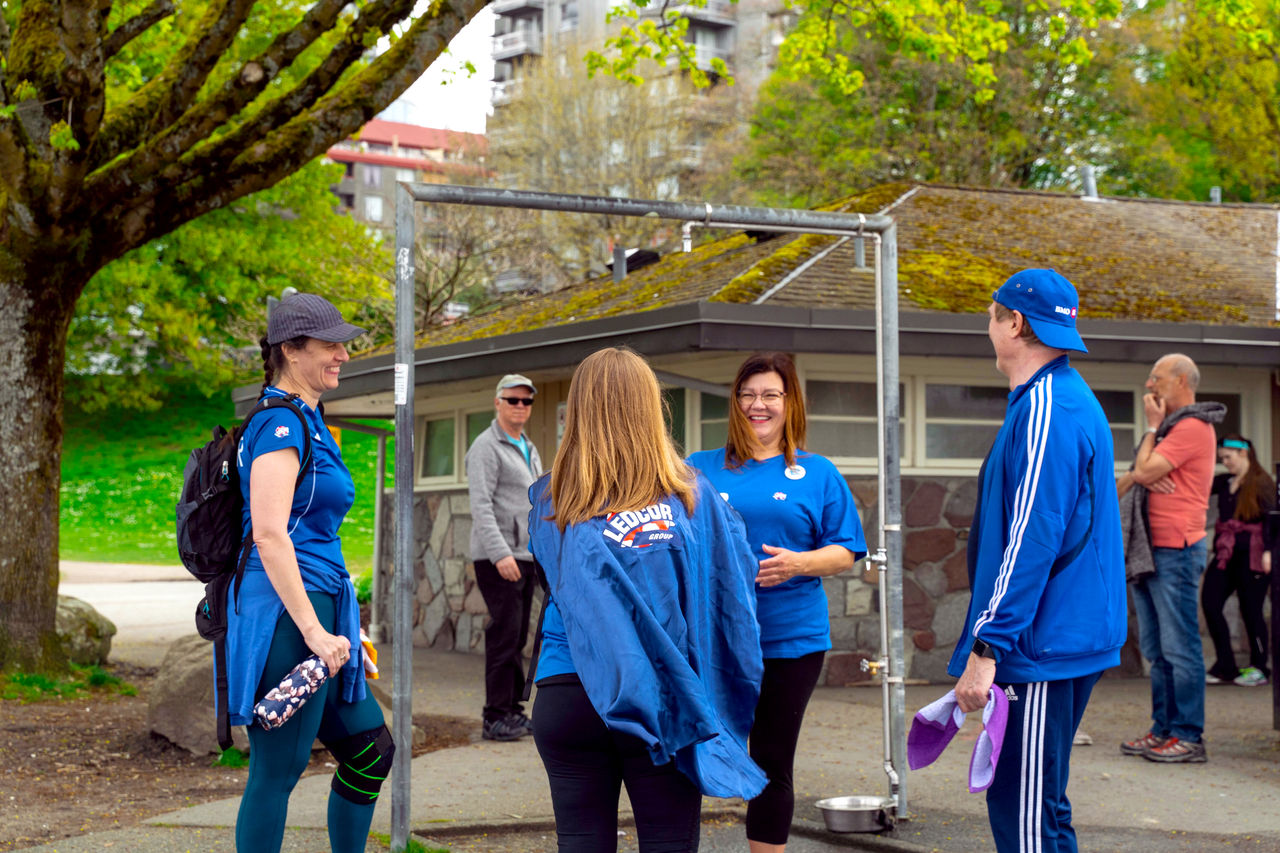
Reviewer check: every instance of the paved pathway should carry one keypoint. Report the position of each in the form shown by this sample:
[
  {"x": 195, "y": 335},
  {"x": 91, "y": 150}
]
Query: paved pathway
[{"x": 489, "y": 796}]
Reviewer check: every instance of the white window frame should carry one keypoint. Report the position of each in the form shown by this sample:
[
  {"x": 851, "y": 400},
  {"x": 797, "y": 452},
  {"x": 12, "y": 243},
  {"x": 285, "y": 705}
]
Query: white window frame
[
  {"x": 459, "y": 415},
  {"x": 694, "y": 420},
  {"x": 921, "y": 424},
  {"x": 368, "y": 213},
  {"x": 420, "y": 439},
  {"x": 1252, "y": 386},
  {"x": 870, "y": 462}
]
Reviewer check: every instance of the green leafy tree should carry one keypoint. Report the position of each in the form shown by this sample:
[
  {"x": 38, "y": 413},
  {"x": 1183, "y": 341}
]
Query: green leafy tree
[
  {"x": 917, "y": 119},
  {"x": 119, "y": 123},
  {"x": 188, "y": 308},
  {"x": 1205, "y": 108}
]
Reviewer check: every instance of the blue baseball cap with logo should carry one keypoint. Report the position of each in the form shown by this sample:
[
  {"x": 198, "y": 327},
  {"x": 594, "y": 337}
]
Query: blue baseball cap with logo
[{"x": 1049, "y": 302}]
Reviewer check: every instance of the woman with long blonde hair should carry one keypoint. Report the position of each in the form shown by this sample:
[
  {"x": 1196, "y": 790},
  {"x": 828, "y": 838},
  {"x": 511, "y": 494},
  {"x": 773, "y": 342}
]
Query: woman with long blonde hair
[{"x": 650, "y": 659}]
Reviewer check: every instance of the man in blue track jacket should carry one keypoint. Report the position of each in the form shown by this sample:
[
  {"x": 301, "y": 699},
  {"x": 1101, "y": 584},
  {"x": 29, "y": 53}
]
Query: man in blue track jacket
[{"x": 1046, "y": 565}]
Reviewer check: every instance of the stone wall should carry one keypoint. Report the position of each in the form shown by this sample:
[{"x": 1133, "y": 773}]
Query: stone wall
[
  {"x": 936, "y": 513},
  {"x": 449, "y": 612}
]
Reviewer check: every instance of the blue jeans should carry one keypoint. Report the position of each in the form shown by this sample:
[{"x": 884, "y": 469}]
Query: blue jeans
[{"x": 1169, "y": 634}]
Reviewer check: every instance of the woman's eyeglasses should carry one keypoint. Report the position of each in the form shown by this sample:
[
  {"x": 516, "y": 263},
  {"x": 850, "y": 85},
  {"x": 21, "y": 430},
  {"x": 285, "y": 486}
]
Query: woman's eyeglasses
[
  {"x": 518, "y": 401},
  {"x": 769, "y": 398}
]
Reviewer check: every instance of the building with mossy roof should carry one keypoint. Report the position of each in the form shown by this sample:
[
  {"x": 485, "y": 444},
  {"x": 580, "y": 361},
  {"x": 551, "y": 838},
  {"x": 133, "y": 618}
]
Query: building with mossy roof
[{"x": 1153, "y": 276}]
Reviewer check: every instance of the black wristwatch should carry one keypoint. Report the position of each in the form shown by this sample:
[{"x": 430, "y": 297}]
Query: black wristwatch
[{"x": 982, "y": 649}]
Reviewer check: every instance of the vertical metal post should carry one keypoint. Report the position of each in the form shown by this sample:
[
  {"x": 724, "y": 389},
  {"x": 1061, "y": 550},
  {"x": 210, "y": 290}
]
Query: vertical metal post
[
  {"x": 376, "y": 616},
  {"x": 891, "y": 500},
  {"x": 619, "y": 262},
  {"x": 402, "y": 589}
]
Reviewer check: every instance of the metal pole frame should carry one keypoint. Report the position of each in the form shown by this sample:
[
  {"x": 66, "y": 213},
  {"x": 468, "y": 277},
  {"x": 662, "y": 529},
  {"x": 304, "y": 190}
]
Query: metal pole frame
[
  {"x": 402, "y": 599},
  {"x": 889, "y": 556}
]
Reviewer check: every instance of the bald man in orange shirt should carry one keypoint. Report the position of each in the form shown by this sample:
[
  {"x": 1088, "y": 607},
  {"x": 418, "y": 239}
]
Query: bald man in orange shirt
[{"x": 1175, "y": 463}]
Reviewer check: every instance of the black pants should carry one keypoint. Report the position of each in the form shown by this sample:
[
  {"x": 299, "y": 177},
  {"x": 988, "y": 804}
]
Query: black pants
[
  {"x": 1251, "y": 590},
  {"x": 784, "y": 693},
  {"x": 586, "y": 766},
  {"x": 509, "y": 603}
]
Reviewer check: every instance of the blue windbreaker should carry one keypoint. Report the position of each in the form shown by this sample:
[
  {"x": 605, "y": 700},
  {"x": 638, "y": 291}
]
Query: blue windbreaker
[
  {"x": 659, "y": 611},
  {"x": 1046, "y": 566}
]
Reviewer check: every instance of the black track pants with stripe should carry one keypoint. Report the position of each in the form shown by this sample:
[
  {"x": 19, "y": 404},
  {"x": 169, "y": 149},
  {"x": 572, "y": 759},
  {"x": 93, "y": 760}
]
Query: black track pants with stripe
[{"x": 1027, "y": 803}]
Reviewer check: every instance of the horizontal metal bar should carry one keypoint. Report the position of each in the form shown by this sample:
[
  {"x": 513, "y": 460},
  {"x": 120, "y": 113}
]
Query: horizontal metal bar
[{"x": 719, "y": 215}]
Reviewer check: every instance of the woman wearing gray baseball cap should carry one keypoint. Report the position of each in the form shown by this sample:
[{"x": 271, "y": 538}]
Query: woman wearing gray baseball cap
[{"x": 296, "y": 597}]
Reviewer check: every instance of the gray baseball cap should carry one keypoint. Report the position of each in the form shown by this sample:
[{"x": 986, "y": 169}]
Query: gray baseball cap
[
  {"x": 310, "y": 315},
  {"x": 514, "y": 380}
]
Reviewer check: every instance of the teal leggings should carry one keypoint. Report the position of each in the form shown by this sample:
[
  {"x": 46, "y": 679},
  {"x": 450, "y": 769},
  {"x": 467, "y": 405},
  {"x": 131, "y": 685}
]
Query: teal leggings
[{"x": 278, "y": 757}]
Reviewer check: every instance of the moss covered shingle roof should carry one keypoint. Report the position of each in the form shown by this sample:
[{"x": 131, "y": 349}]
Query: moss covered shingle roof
[{"x": 1129, "y": 259}]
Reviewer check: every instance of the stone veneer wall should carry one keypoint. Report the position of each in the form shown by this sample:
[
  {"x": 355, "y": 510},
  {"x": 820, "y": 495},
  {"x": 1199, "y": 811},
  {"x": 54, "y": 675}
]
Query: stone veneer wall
[{"x": 449, "y": 612}]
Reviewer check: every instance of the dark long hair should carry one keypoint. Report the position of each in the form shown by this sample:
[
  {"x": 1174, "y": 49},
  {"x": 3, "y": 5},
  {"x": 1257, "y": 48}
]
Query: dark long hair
[
  {"x": 742, "y": 442},
  {"x": 273, "y": 357},
  {"x": 1256, "y": 486}
]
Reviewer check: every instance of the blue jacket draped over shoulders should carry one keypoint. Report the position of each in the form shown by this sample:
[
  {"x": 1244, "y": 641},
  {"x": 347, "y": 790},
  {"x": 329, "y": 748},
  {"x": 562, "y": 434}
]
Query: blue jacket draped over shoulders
[{"x": 659, "y": 610}]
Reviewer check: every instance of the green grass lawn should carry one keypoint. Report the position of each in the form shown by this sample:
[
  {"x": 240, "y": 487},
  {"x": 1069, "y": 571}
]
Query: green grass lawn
[{"x": 122, "y": 471}]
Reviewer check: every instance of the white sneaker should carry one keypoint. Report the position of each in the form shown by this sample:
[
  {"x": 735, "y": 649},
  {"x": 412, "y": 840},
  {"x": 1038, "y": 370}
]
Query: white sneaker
[{"x": 1251, "y": 677}]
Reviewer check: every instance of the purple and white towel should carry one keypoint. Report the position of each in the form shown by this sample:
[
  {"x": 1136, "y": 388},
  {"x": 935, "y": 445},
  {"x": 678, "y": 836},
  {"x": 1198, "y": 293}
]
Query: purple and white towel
[
  {"x": 293, "y": 691},
  {"x": 937, "y": 723}
]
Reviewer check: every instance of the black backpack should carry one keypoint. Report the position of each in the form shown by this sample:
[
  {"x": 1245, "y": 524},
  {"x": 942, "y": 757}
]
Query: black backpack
[{"x": 210, "y": 541}]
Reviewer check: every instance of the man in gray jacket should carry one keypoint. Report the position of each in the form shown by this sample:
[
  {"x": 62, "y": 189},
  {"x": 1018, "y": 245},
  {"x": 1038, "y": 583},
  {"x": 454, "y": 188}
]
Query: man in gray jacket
[{"x": 501, "y": 466}]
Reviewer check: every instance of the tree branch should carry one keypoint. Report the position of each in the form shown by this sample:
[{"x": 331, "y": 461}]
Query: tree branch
[
  {"x": 55, "y": 51},
  {"x": 200, "y": 124},
  {"x": 191, "y": 188},
  {"x": 136, "y": 26},
  {"x": 239, "y": 91},
  {"x": 164, "y": 99},
  {"x": 4, "y": 38}
]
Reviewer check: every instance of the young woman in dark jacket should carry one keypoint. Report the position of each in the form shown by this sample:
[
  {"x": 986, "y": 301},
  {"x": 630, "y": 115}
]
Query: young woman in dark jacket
[{"x": 1240, "y": 561}]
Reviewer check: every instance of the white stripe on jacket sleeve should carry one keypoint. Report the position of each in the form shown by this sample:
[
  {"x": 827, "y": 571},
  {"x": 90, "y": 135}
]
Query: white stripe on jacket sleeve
[{"x": 1041, "y": 406}]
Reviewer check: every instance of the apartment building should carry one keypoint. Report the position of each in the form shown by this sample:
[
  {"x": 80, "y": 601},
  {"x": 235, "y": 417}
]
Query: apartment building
[
  {"x": 386, "y": 152},
  {"x": 745, "y": 34}
]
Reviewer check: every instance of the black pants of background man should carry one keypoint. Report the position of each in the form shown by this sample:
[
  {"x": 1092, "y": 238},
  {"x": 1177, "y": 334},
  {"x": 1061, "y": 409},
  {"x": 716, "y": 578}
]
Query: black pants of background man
[{"x": 509, "y": 603}]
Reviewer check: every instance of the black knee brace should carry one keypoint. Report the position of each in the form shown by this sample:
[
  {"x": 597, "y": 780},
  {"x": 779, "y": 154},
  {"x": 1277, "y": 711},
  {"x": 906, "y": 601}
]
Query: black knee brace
[{"x": 364, "y": 760}]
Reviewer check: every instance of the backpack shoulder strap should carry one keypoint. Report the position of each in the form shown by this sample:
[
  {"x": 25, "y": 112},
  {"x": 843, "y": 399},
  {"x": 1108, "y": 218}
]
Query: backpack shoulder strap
[{"x": 265, "y": 403}]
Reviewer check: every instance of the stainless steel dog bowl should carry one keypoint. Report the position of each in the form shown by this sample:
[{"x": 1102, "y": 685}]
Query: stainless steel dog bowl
[{"x": 857, "y": 814}]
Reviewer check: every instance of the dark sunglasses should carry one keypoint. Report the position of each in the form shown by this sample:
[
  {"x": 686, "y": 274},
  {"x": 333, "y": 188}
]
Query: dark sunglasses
[{"x": 518, "y": 401}]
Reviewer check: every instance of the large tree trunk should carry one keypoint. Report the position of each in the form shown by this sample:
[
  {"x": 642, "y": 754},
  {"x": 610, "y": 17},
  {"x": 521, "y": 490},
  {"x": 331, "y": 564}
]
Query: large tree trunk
[{"x": 34, "y": 317}]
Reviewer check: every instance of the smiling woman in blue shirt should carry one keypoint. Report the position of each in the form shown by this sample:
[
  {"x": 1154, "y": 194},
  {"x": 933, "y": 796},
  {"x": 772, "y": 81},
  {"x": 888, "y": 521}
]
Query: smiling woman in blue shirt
[
  {"x": 803, "y": 526},
  {"x": 296, "y": 597}
]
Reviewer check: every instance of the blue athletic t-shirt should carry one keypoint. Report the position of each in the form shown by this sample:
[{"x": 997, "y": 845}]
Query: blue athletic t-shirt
[
  {"x": 320, "y": 503},
  {"x": 322, "y": 499},
  {"x": 801, "y": 508}
]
